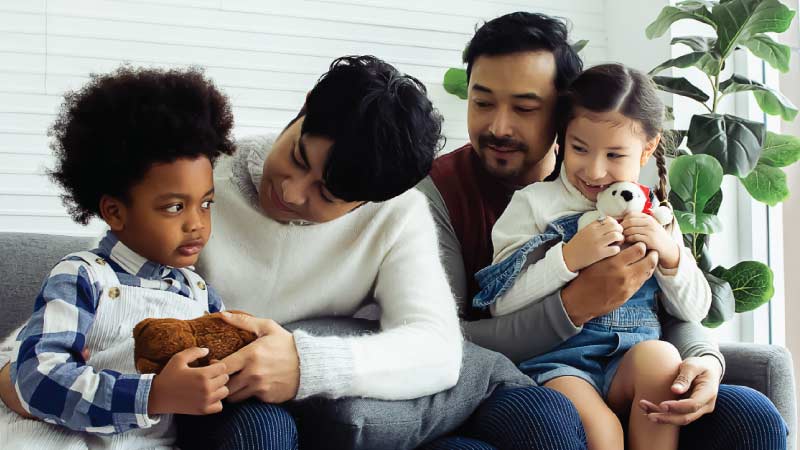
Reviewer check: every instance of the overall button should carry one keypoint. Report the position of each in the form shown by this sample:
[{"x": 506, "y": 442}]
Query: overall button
[
  {"x": 113, "y": 292},
  {"x": 201, "y": 285},
  {"x": 100, "y": 261}
]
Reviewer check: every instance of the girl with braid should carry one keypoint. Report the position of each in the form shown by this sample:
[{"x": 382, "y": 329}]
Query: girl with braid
[{"x": 611, "y": 124}]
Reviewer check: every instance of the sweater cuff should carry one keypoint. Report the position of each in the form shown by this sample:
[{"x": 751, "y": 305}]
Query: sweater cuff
[
  {"x": 559, "y": 318},
  {"x": 326, "y": 365},
  {"x": 554, "y": 260},
  {"x": 685, "y": 261}
]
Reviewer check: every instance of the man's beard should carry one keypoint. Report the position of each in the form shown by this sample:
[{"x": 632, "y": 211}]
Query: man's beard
[{"x": 499, "y": 167}]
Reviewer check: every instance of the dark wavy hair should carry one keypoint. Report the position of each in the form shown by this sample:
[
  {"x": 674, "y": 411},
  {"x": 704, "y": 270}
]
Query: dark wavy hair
[
  {"x": 524, "y": 31},
  {"x": 385, "y": 131},
  {"x": 614, "y": 87},
  {"x": 111, "y": 131}
]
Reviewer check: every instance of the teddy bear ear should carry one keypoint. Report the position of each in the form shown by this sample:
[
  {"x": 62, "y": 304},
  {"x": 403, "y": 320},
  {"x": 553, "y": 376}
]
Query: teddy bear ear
[{"x": 139, "y": 328}]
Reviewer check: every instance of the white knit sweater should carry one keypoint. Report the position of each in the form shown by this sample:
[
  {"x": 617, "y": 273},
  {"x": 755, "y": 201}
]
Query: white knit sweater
[
  {"x": 383, "y": 251},
  {"x": 686, "y": 294}
]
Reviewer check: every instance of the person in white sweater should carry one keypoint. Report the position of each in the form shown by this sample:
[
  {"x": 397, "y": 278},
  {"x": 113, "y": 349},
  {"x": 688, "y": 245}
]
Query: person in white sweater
[
  {"x": 317, "y": 222},
  {"x": 611, "y": 127}
]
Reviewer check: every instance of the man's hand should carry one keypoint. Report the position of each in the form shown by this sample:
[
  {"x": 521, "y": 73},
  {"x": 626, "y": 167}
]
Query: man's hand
[
  {"x": 181, "y": 389},
  {"x": 593, "y": 243},
  {"x": 606, "y": 285},
  {"x": 699, "y": 378},
  {"x": 267, "y": 368}
]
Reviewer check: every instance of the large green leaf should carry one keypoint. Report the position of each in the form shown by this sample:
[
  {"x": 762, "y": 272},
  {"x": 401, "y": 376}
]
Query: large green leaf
[
  {"x": 740, "y": 20},
  {"x": 767, "y": 184},
  {"x": 695, "y": 180},
  {"x": 770, "y": 100},
  {"x": 671, "y": 140},
  {"x": 700, "y": 223},
  {"x": 704, "y": 61},
  {"x": 697, "y": 242},
  {"x": 680, "y": 86},
  {"x": 455, "y": 82},
  {"x": 733, "y": 141},
  {"x": 775, "y": 54},
  {"x": 751, "y": 282},
  {"x": 578, "y": 46},
  {"x": 672, "y": 14},
  {"x": 723, "y": 302},
  {"x": 696, "y": 43},
  {"x": 780, "y": 150}
]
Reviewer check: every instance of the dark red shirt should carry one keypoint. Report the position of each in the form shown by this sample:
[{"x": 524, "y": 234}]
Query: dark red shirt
[{"x": 475, "y": 200}]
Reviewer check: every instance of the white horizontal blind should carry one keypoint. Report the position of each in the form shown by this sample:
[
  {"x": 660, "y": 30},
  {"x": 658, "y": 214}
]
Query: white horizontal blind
[{"x": 265, "y": 54}]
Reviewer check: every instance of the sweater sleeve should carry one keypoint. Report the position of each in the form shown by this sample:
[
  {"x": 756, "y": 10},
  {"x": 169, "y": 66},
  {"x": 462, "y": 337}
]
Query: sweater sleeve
[
  {"x": 686, "y": 293},
  {"x": 538, "y": 280},
  {"x": 420, "y": 338}
]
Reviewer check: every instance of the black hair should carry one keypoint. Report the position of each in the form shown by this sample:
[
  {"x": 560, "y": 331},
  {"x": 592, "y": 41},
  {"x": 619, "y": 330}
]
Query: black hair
[
  {"x": 112, "y": 130},
  {"x": 614, "y": 87},
  {"x": 521, "y": 32},
  {"x": 385, "y": 130}
]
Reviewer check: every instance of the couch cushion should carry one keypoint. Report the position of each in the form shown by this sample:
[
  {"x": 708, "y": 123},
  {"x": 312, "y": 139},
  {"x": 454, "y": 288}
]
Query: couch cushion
[{"x": 25, "y": 261}]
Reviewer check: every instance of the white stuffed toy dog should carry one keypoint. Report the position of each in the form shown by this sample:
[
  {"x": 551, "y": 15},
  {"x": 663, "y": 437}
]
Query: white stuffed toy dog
[{"x": 621, "y": 198}]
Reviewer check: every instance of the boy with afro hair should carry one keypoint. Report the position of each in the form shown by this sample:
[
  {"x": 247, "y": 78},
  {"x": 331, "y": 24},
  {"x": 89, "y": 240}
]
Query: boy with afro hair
[{"x": 135, "y": 148}]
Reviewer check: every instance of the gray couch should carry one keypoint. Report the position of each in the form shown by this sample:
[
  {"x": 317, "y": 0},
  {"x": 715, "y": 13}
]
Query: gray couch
[{"x": 27, "y": 258}]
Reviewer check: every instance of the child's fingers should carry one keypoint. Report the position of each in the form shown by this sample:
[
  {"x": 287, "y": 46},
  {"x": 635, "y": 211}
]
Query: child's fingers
[
  {"x": 189, "y": 355},
  {"x": 220, "y": 394},
  {"x": 636, "y": 222},
  {"x": 611, "y": 239},
  {"x": 608, "y": 251},
  {"x": 214, "y": 370},
  {"x": 212, "y": 408},
  {"x": 636, "y": 230}
]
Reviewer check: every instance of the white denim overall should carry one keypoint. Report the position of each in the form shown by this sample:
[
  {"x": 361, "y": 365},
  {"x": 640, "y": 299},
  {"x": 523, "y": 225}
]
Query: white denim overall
[{"x": 110, "y": 346}]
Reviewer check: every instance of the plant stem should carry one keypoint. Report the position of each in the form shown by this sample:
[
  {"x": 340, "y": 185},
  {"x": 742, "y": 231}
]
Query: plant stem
[{"x": 715, "y": 88}]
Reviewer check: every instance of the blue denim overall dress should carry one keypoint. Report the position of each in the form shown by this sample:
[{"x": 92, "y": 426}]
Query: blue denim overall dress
[{"x": 596, "y": 351}]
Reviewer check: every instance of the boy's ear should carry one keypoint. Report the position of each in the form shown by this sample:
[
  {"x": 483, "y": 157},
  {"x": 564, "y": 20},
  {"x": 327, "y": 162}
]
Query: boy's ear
[
  {"x": 112, "y": 210},
  {"x": 650, "y": 148}
]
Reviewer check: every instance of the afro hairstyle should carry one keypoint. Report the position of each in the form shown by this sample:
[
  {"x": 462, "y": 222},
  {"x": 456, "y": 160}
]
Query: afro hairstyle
[{"x": 110, "y": 132}]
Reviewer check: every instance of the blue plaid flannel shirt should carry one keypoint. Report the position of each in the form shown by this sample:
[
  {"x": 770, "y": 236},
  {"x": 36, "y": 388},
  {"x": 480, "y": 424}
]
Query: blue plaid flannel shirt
[{"x": 50, "y": 374}]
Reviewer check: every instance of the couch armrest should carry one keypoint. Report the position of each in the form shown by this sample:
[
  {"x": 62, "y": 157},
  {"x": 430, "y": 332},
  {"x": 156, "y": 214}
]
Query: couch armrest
[{"x": 768, "y": 369}]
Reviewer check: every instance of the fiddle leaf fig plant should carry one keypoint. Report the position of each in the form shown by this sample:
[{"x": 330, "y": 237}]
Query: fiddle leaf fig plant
[{"x": 724, "y": 144}]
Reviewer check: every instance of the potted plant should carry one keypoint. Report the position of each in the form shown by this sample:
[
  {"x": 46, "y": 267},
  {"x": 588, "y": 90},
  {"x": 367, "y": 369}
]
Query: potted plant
[{"x": 724, "y": 144}]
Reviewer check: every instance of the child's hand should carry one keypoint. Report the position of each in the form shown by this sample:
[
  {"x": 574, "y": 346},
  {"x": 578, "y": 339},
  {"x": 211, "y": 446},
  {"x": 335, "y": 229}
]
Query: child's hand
[
  {"x": 593, "y": 243},
  {"x": 640, "y": 227},
  {"x": 180, "y": 389}
]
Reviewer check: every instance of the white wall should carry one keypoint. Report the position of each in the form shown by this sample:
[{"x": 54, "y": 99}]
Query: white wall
[
  {"x": 790, "y": 86},
  {"x": 265, "y": 54}
]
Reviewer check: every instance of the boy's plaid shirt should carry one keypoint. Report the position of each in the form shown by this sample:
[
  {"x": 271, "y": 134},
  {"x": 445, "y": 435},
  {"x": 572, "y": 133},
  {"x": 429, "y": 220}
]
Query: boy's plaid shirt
[{"x": 50, "y": 374}]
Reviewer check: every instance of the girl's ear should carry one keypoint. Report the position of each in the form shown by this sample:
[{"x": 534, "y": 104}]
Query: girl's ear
[
  {"x": 650, "y": 148},
  {"x": 113, "y": 212}
]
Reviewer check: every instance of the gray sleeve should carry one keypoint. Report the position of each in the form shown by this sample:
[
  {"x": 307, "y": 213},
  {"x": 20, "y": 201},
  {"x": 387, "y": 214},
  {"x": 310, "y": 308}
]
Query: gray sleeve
[
  {"x": 691, "y": 339},
  {"x": 449, "y": 247},
  {"x": 521, "y": 335}
]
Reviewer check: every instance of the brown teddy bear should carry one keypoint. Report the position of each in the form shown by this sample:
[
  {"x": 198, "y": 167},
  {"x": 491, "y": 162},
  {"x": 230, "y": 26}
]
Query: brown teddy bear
[{"x": 156, "y": 340}]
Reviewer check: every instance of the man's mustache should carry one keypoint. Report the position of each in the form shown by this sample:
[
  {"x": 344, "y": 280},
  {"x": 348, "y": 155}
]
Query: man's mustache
[{"x": 486, "y": 140}]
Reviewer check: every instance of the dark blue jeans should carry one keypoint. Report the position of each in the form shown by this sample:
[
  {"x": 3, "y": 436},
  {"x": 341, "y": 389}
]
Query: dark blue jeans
[{"x": 540, "y": 418}]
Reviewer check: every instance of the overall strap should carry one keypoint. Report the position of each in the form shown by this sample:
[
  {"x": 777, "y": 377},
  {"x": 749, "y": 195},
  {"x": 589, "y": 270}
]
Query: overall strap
[
  {"x": 197, "y": 286},
  {"x": 101, "y": 268}
]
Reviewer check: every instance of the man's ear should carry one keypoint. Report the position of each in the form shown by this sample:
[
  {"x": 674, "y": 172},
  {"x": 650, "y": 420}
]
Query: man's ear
[
  {"x": 113, "y": 212},
  {"x": 650, "y": 148}
]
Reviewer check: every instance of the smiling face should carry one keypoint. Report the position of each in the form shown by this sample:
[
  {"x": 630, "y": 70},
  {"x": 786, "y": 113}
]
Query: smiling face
[
  {"x": 511, "y": 101},
  {"x": 167, "y": 218},
  {"x": 603, "y": 148},
  {"x": 292, "y": 186}
]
